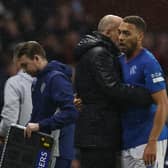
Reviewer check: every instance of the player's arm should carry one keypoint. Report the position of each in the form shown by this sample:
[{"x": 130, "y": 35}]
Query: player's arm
[
  {"x": 155, "y": 82},
  {"x": 108, "y": 78},
  {"x": 62, "y": 95},
  {"x": 160, "y": 99}
]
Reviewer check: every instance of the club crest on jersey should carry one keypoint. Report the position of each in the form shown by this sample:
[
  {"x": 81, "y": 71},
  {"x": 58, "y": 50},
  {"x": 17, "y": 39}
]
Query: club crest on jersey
[
  {"x": 43, "y": 85},
  {"x": 133, "y": 70}
]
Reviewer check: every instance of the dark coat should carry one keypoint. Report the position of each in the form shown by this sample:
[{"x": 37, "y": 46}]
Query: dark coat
[{"x": 98, "y": 83}]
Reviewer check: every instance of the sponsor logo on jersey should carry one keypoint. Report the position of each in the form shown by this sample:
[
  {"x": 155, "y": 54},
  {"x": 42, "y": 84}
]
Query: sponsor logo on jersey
[{"x": 157, "y": 77}]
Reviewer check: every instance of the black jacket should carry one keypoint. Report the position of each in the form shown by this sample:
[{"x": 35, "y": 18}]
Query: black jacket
[{"x": 98, "y": 83}]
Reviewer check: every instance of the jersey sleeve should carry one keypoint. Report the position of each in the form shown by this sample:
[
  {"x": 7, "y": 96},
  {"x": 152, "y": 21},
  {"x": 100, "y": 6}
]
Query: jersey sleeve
[{"x": 154, "y": 77}]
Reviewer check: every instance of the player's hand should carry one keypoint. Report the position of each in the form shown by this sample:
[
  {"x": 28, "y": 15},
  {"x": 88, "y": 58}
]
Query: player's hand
[
  {"x": 78, "y": 103},
  {"x": 149, "y": 155},
  {"x": 31, "y": 127}
]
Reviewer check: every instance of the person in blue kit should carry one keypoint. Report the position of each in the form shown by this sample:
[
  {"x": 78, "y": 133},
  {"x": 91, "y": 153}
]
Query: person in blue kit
[
  {"x": 52, "y": 98},
  {"x": 144, "y": 130}
]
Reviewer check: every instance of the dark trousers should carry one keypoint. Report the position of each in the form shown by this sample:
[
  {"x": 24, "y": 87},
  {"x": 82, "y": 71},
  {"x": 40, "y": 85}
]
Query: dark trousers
[
  {"x": 62, "y": 163},
  {"x": 98, "y": 158}
]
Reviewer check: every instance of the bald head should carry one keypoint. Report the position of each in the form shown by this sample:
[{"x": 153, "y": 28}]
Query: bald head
[
  {"x": 108, "y": 26},
  {"x": 109, "y": 21}
]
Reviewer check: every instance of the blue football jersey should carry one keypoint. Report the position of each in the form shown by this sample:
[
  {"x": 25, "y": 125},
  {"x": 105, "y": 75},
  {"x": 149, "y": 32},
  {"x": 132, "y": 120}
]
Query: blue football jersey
[{"x": 144, "y": 71}]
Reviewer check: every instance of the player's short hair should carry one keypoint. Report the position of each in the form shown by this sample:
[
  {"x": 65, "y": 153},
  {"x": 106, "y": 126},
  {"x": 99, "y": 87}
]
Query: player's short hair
[
  {"x": 137, "y": 21},
  {"x": 29, "y": 48}
]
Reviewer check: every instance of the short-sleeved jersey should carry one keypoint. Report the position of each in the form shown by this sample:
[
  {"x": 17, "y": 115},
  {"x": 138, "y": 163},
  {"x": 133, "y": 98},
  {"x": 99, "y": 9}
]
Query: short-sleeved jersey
[{"x": 144, "y": 71}]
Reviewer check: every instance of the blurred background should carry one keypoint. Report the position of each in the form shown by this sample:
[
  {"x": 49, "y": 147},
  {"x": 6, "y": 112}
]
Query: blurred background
[{"x": 59, "y": 24}]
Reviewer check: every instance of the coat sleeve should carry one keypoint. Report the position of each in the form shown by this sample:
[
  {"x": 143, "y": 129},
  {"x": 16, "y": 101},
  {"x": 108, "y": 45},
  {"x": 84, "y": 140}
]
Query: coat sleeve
[
  {"x": 108, "y": 78},
  {"x": 62, "y": 95},
  {"x": 11, "y": 108}
]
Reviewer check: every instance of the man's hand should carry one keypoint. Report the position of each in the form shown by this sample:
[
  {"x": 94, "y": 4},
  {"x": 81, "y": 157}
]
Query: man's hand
[
  {"x": 149, "y": 155},
  {"x": 31, "y": 127},
  {"x": 78, "y": 103}
]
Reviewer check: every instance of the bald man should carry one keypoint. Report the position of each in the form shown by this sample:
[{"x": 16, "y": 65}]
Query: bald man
[{"x": 98, "y": 84}]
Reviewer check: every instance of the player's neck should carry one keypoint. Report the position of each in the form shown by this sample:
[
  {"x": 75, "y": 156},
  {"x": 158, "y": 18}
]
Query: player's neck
[{"x": 135, "y": 53}]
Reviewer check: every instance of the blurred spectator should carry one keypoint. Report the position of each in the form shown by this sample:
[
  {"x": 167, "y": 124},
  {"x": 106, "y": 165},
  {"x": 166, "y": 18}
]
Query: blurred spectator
[
  {"x": 162, "y": 49},
  {"x": 26, "y": 24},
  {"x": 54, "y": 50},
  {"x": 12, "y": 34},
  {"x": 71, "y": 40},
  {"x": 149, "y": 41},
  {"x": 50, "y": 22},
  {"x": 34, "y": 19}
]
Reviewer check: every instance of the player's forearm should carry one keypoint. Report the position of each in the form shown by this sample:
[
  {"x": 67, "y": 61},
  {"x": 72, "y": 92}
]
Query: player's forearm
[{"x": 159, "y": 121}]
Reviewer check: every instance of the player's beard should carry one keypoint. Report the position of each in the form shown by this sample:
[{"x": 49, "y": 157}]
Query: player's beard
[{"x": 130, "y": 50}]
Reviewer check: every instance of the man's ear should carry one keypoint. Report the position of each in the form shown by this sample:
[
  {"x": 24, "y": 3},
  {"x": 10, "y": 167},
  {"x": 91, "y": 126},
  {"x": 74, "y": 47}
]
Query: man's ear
[
  {"x": 107, "y": 32},
  {"x": 36, "y": 57},
  {"x": 140, "y": 36}
]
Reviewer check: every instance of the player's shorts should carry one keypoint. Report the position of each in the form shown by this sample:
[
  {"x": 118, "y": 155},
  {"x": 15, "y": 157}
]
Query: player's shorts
[{"x": 132, "y": 158}]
